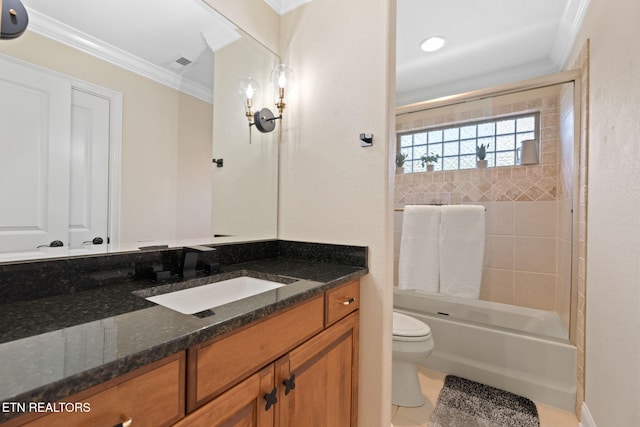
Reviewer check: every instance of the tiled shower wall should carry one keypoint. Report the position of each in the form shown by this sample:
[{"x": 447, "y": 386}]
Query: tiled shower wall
[{"x": 526, "y": 220}]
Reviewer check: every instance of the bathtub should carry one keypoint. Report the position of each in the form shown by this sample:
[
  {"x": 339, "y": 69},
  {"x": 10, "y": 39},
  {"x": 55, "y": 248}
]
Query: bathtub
[{"x": 521, "y": 350}]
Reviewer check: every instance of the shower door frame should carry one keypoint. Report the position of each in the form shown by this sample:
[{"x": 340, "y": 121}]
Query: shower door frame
[{"x": 573, "y": 77}]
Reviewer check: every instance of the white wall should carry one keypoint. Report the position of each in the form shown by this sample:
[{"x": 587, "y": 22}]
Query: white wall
[
  {"x": 613, "y": 225},
  {"x": 332, "y": 190}
]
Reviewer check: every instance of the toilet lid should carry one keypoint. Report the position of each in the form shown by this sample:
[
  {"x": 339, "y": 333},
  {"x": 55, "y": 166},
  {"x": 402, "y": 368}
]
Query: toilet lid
[{"x": 408, "y": 326}]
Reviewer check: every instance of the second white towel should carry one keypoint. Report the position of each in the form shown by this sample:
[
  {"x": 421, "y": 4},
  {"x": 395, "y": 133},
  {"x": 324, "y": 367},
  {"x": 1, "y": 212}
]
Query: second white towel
[{"x": 462, "y": 233}]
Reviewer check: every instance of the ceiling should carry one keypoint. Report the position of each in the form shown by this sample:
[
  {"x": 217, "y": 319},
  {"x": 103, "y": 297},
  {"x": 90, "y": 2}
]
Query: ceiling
[
  {"x": 144, "y": 36},
  {"x": 147, "y": 37},
  {"x": 488, "y": 42}
]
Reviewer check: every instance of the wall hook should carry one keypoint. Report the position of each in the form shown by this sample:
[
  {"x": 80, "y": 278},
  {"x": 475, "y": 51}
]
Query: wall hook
[{"x": 366, "y": 139}]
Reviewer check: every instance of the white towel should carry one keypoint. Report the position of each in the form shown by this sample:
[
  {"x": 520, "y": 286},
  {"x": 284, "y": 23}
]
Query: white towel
[
  {"x": 462, "y": 233},
  {"x": 418, "y": 266}
]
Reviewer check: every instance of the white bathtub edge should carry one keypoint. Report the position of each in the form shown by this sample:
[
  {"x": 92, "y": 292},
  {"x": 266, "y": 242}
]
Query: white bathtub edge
[{"x": 545, "y": 373}]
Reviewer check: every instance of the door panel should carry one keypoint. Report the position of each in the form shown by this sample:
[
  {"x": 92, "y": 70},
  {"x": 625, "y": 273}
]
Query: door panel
[
  {"x": 240, "y": 406},
  {"x": 89, "y": 195},
  {"x": 324, "y": 368},
  {"x": 34, "y": 157}
]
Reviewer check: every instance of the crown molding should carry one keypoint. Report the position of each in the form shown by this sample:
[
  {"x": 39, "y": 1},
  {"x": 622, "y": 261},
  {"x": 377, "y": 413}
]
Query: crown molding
[
  {"x": 62, "y": 33},
  {"x": 568, "y": 29},
  {"x": 284, "y": 6}
]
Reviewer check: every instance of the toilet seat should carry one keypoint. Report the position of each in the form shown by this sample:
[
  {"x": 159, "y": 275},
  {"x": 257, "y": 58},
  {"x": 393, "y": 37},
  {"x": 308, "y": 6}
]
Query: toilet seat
[{"x": 407, "y": 328}]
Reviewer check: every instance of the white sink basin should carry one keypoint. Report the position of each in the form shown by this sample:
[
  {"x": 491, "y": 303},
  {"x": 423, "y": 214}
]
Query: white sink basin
[{"x": 195, "y": 300}]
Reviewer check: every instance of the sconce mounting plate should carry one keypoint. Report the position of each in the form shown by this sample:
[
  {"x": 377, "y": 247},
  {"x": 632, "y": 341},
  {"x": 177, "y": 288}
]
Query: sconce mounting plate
[{"x": 264, "y": 120}]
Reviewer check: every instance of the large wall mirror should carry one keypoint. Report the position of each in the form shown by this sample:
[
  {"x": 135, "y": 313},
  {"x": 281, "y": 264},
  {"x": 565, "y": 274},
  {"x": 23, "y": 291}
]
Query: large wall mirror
[{"x": 112, "y": 115}]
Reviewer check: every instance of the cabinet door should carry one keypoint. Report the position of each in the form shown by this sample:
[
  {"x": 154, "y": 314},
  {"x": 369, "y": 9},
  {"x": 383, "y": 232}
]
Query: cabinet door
[
  {"x": 326, "y": 375},
  {"x": 244, "y": 405}
]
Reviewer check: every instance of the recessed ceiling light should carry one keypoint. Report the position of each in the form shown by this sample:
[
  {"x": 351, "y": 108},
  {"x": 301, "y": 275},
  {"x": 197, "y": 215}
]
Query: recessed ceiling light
[{"x": 432, "y": 44}]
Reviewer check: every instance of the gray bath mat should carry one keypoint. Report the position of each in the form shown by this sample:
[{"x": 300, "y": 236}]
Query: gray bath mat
[{"x": 465, "y": 403}]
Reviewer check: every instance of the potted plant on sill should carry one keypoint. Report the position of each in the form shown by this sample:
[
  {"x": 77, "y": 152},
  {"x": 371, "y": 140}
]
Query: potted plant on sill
[
  {"x": 481, "y": 153},
  {"x": 429, "y": 160},
  {"x": 400, "y": 159}
]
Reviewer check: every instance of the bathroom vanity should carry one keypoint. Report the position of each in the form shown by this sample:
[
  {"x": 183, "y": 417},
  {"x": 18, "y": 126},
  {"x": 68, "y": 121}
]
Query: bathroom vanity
[{"x": 286, "y": 357}]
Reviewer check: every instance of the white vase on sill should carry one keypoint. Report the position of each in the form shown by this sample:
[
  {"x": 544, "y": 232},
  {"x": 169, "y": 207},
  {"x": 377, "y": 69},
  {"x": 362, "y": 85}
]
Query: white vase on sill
[{"x": 481, "y": 164}]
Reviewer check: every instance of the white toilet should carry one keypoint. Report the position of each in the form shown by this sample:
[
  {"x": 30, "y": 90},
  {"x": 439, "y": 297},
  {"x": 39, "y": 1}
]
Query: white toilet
[{"x": 412, "y": 342}]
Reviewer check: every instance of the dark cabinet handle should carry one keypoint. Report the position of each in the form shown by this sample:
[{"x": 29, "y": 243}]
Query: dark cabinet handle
[
  {"x": 289, "y": 384},
  {"x": 54, "y": 244},
  {"x": 271, "y": 399}
]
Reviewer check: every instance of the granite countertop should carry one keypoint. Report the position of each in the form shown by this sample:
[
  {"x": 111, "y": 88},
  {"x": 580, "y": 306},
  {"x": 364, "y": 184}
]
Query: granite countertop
[{"x": 56, "y": 346}]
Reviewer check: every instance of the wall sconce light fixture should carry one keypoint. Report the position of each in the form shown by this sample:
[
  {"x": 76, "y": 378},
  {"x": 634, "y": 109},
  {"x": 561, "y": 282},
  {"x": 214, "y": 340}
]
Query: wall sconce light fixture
[
  {"x": 13, "y": 19},
  {"x": 264, "y": 119}
]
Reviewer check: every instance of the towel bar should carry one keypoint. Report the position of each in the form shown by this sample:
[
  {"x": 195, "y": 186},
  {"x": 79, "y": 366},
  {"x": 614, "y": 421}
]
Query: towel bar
[{"x": 434, "y": 204}]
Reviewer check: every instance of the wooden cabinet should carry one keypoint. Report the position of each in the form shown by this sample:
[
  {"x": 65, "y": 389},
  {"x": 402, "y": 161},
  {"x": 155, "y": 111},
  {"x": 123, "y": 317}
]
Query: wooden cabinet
[
  {"x": 152, "y": 396},
  {"x": 311, "y": 379},
  {"x": 314, "y": 385},
  {"x": 295, "y": 368},
  {"x": 215, "y": 366}
]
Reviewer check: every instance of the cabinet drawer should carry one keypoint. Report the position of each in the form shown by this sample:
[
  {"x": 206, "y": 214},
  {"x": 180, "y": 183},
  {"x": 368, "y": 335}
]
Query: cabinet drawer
[
  {"x": 342, "y": 301},
  {"x": 216, "y": 366},
  {"x": 153, "y": 398}
]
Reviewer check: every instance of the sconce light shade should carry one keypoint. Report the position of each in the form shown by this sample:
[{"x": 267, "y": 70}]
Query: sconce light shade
[
  {"x": 282, "y": 76},
  {"x": 247, "y": 89}
]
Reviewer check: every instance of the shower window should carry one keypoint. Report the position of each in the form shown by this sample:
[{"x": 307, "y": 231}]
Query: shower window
[{"x": 456, "y": 144}]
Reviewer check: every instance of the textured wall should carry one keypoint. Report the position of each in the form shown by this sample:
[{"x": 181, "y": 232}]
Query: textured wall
[
  {"x": 612, "y": 265},
  {"x": 333, "y": 190}
]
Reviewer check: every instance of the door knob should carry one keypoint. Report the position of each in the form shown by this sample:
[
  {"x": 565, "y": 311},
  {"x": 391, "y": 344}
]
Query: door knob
[
  {"x": 95, "y": 241},
  {"x": 54, "y": 244},
  {"x": 289, "y": 384}
]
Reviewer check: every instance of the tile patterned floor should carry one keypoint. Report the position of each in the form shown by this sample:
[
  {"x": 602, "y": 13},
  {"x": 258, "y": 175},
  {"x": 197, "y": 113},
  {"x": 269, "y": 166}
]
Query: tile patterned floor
[{"x": 431, "y": 382}]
